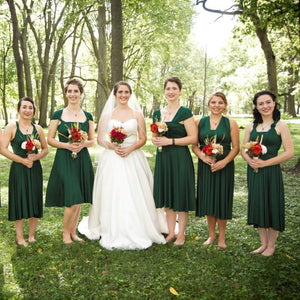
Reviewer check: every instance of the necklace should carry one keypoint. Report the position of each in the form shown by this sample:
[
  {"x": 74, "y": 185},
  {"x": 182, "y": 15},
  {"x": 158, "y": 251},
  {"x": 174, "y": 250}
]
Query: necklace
[
  {"x": 26, "y": 128},
  {"x": 74, "y": 113},
  {"x": 215, "y": 122},
  {"x": 264, "y": 126},
  {"x": 173, "y": 111}
]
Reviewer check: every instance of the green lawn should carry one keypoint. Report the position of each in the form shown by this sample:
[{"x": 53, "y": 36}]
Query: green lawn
[{"x": 50, "y": 270}]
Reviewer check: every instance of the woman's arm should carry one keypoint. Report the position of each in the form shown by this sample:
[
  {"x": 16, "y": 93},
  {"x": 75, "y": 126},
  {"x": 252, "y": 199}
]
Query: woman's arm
[
  {"x": 248, "y": 130},
  {"x": 191, "y": 138},
  {"x": 8, "y": 136},
  {"x": 282, "y": 129}
]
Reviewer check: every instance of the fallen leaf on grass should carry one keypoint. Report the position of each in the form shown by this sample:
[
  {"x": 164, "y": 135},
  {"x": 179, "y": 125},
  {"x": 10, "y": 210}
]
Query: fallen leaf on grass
[
  {"x": 173, "y": 291},
  {"x": 39, "y": 251}
]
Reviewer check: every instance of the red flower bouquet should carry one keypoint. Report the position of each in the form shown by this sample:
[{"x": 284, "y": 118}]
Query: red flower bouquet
[
  {"x": 118, "y": 135},
  {"x": 254, "y": 149},
  {"x": 76, "y": 135},
  {"x": 211, "y": 148},
  {"x": 31, "y": 145},
  {"x": 159, "y": 129}
]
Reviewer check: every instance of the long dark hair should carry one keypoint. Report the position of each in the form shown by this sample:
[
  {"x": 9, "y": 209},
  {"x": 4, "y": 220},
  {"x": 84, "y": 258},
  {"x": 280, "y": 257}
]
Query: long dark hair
[{"x": 257, "y": 116}]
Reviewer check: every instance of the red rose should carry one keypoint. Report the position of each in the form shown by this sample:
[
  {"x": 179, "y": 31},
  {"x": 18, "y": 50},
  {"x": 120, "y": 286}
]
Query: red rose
[
  {"x": 257, "y": 149},
  {"x": 76, "y": 136},
  {"x": 207, "y": 149},
  {"x": 120, "y": 136},
  {"x": 154, "y": 128},
  {"x": 113, "y": 133},
  {"x": 29, "y": 145}
]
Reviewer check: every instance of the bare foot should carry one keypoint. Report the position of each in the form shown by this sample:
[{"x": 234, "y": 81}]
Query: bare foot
[
  {"x": 179, "y": 242},
  {"x": 259, "y": 250},
  {"x": 31, "y": 240},
  {"x": 222, "y": 245},
  {"x": 66, "y": 239},
  {"x": 209, "y": 241},
  {"x": 170, "y": 238},
  {"x": 21, "y": 242},
  {"x": 77, "y": 239},
  {"x": 269, "y": 251}
]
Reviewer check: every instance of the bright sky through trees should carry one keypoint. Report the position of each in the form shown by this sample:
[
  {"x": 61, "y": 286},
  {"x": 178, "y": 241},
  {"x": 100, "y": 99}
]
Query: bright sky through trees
[{"x": 212, "y": 30}]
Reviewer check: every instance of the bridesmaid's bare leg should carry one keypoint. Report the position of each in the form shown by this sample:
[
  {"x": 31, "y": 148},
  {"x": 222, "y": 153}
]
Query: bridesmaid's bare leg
[
  {"x": 272, "y": 238},
  {"x": 263, "y": 234},
  {"x": 67, "y": 223},
  {"x": 222, "y": 228},
  {"x": 19, "y": 233},
  {"x": 74, "y": 236},
  {"x": 32, "y": 227},
  {"x": 182, "y": 221},
  {"x": 171, "y": 221},
  {"x": 211, "y": 223}
]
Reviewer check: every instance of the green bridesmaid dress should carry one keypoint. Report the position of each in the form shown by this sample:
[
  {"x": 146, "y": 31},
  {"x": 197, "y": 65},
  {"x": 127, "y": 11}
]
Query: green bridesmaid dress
[
  {"x": 71, "y": 179},
  {"x": 265, "y": 188},
  {"x": 174, "y": 177},
  {"x": 215, "y": 189},
  {"x": 25, "y": 197}
]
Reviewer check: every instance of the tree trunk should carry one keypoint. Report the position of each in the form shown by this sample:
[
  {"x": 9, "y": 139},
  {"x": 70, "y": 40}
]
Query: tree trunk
[
  {"x": 117, "y": 41},
  {"x": 17, "y": 56},
  {"x": 270, "y": 57},
  {"x": 204, "y": 84},
  {"x": 4, "y": 88}
]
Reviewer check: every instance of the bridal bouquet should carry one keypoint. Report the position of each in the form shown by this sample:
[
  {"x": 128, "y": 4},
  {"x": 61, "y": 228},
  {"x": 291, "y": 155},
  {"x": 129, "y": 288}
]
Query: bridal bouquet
[
  {"x": 211, "y": 148},
  {"x": 31, "y": 145},
  {"x": 118, "y": 135},
  {"x": 254, "y": 149},
  {"x": 76, "y": 135},
  {"x": 159, "y": 128}
]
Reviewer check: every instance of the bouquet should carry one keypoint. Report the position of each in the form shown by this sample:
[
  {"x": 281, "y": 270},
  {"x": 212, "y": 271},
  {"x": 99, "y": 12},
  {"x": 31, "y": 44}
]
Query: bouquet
[
  {"x": 211, "y": 148},
  {"x": 254, "y": 149},
  {"x": 159, "y": 128},
  {"x": 76, "y": 135},
  {"x": 31, "y": 145},
  {"x": 118, "y": 135}
]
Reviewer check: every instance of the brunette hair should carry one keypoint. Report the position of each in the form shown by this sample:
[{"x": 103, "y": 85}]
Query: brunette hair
[
  {"x": 173, "y": 79},
  {"x": 29, "y": 100},
  {"x": 257, "y": 116},
  {"x": 117, "y": 85},
  {"x": 222, "y": 96},
  {"x": 75, "y": 81}
]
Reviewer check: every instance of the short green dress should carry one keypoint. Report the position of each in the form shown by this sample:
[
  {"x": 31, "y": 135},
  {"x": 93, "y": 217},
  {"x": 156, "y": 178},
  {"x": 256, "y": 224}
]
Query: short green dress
[
  {"x": 174, "y": 177},
  {"x": 215, "y": 190},
  {"x": 71, "y": 179},
  {"x": 25, "y": 196},
  {"x": 265, "y": 188}
]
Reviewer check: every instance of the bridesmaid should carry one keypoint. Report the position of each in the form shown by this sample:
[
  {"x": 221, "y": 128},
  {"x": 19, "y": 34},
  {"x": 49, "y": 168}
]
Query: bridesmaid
[
  {"x": 216, "y": 175},
  {"x": 174, "y": 178},
  {"x": 265, "y": 188},
  {"x": 72, "y": 176},
  {"x": 25, "y": 199}
]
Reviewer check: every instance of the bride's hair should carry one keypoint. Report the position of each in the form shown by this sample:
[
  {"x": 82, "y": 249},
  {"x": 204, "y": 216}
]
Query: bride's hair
[{"x": 117, "y": 85}]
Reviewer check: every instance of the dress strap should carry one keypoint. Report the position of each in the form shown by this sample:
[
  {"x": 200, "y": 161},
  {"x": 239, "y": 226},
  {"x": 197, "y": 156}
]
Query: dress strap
[
  {"x": 274, "y": 123},
  {"x": 17, "y": 124}
]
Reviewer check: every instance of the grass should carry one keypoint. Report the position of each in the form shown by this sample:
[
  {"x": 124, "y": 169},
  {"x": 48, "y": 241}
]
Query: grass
[{"x": 51, "y": 270}]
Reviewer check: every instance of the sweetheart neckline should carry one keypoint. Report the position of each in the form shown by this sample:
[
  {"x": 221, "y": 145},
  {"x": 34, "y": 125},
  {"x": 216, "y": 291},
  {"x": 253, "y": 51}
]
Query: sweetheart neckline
[{"x": 124, "y": 121}]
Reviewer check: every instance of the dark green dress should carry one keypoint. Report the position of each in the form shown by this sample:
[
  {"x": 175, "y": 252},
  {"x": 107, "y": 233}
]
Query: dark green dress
[
  {"x": 174, "y": 177},
  {"x": 71, "y": 179},
  {"x": 215, "y": 190},
  {"x": 265, "y": 188},
  {"x": 25, "y": 197}
]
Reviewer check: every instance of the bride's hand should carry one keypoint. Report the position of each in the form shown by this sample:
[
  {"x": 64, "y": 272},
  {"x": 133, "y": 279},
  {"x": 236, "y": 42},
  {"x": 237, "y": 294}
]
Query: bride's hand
[{"x": 123, "y": 152}]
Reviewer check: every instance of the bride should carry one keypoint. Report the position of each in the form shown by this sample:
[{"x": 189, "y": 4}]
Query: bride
[{"x": 123, "y": 212}]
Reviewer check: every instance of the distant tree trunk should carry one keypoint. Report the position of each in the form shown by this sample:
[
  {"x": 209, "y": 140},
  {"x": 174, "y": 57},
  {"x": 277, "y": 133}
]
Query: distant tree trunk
[
  {"x": 61, "y": 81},
  {"x": 17, "y": 56},
  {"x": 117, "y": 41},
  {"x": 3, "y": 89},
  {"x": 291, "y": 97},
  {"x": 204, "y": 84},
  {"x": 27, "y": 69}
]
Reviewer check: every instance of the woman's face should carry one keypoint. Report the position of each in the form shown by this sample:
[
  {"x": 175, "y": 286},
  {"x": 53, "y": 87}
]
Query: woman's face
[
  {"x": 73, "y": 93},
  {"x": 123, "y": 94},
  {"x": 217, "y": 105},
  {"x": 172, "y": 91},
  {"x": 265, "y": 105},
  {"x": 26, "y": 110}
]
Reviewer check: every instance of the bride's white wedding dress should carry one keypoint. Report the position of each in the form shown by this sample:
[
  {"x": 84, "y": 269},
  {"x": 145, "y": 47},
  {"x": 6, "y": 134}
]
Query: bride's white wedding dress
[{"x": 123, "y": 212}]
